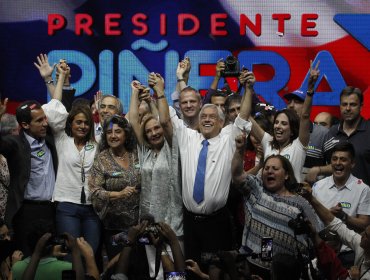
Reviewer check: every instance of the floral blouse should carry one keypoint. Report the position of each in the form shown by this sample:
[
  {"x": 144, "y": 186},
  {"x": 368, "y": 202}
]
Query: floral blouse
[
  {"x": 106, "y": 176},
  {"x": 4, "y": 184}
]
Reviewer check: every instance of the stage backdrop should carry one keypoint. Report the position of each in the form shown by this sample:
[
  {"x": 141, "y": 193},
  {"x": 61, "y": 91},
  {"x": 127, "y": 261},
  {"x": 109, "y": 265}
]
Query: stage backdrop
[{"x": 108, "y": 43}]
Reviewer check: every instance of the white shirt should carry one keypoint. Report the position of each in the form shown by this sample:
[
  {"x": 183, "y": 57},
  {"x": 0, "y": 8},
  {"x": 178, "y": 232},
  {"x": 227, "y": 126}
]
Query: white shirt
[
  {"x": 69, "y": 183},
  {"x": 352, "y": 240},
  {"x": 295, "y": 152},
  {"x": 354, "y": 196},
  {"x": 218, "y": 167}
]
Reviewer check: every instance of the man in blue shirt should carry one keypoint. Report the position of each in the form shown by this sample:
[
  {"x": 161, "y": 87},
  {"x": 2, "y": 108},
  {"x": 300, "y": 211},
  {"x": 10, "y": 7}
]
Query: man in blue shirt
[{"x": 32, "y": 163}]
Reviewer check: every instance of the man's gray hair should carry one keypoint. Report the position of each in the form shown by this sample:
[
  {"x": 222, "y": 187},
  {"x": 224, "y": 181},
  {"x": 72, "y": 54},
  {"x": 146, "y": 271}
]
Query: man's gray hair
[
  {"x": 220, "y": 113},
  {"x": 119, "y": 103},
  {"x": 8, "y": 123}
]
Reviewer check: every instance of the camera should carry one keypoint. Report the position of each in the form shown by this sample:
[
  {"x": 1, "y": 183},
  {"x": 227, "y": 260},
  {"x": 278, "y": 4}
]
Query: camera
[
  {"x": 299, "y": 225},
  {"x": 145, "y": 238},
  {"x": 58, "y": 240},
  {"x": 232, "y": 67},
  {"x": 119, "y": 238}
]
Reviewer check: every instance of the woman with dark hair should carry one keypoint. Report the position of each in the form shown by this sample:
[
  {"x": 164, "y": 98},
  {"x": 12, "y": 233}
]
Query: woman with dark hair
[
  {"x": 271, "y": 202},
  {"x": 76, "y": 148},
  {"x": 291, "y": 133},
  {"x": 115, "y": 181}
]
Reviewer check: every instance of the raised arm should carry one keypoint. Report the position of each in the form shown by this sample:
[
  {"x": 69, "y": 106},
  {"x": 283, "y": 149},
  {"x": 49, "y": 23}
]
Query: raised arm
[
  {"x": 247, "y": 79},
  {"x": 88, "y": 254},
  {"x": 46, "y": 71},
  {"x": 220, "y": 66},
  {"x": 304, "y": 126},
  {"x": 136, "y": 87},
  {"x": 58, "y": 92},
  {"x": 157, "y": 83},
  {"x": 30, "y": 271},
  {"x": 171, "y": 239},
  {"x": 182, "y": 74},
  {"x": 237, "y": 170},
  {"x": 122, "y": 266}
]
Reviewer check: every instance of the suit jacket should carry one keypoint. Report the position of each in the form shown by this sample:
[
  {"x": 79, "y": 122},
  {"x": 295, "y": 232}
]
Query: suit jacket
[{"x": 17, "y": 151}]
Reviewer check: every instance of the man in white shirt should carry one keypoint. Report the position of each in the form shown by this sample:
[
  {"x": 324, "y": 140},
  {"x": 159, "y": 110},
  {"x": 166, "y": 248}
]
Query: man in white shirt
[
  {"x": 206, "y": 219},
  {"x": 347, "y": 197}
]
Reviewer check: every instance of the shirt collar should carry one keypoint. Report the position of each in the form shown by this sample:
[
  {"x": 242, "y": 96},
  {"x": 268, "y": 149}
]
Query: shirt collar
[
  {"x": 347, "y": 185},
  {"x": 360, "y": 127},
  {"x": 33, "y": 141}
]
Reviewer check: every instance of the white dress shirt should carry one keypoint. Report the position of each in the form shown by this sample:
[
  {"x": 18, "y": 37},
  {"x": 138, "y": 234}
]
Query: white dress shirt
[{"x": 218, "y": 167}]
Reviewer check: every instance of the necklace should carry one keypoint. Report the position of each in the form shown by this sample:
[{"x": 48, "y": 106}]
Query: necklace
[{"x": 121, "y": 157}]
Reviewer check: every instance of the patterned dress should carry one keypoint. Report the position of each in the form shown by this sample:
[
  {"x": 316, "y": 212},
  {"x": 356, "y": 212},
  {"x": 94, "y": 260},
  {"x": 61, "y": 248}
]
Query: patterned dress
[
  {"x": 4, "y": 184},
  {"x": 268, "y": 214},
  {"x": 106, "y": 176}
]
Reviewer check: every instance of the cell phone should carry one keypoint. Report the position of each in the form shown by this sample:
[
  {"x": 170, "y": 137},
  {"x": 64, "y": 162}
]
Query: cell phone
[{"x": 266, "y": 248}]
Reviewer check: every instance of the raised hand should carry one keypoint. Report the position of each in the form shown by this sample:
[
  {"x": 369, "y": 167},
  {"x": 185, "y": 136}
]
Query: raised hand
[
  {"x": 137, "y": 230},
  {"x": 43, "y": 66},
  {"x": 85, "y": 248},
  {"x": 247, "y": 78},
  {"x": 17, "y": 256},
  {"x": 145, "y": 95},
  {"x": 241, "y": 140},
  {"x": 181, "y": 69},
  {"x": 314, "y": 75},
  {"x": 187, "y": 65},
  {"x": 167, "y": 232},
  {"x": 3, "y": 106},
  {"x": 41, "y": 243},
  {"x": 220, "y": 66},
  {"x": 97, "y": 99},
  {"x": 156, "y": 82}
]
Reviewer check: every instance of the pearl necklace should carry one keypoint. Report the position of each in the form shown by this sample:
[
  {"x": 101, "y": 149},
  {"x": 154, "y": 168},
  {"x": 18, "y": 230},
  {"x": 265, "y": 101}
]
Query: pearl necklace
[{"x": 122, "y": 157}]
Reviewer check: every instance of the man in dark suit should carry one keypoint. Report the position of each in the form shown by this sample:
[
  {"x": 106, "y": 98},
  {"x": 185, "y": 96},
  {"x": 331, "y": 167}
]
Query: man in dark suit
[{"x": 32, "y": 163}]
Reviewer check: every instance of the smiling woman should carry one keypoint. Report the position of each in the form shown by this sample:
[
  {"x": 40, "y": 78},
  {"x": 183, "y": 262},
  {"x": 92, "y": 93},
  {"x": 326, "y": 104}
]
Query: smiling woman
[
  {"x": 115, "y": 181},
  {"x": 76, "y": 148}
]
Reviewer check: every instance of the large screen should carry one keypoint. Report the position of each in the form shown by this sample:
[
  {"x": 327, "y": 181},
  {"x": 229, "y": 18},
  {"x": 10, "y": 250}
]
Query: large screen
[{"x": 108, "y": 43}]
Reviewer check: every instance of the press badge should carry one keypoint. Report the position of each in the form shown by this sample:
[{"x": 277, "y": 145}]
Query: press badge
[{"x": 40, "y": 153}]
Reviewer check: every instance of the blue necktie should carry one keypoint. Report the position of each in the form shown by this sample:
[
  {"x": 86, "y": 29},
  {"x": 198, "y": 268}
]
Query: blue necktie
[{"x": 198, "y": 193}]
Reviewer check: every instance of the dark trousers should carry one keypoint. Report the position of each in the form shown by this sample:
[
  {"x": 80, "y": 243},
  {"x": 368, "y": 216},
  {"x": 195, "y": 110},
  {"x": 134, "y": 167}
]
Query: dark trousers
[
  {"x": 27, "y": 216},
  {"x": 207, "y": 233}
]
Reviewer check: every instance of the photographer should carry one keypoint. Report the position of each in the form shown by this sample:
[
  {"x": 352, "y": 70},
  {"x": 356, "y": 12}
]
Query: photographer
[
  {"x": 270, "y": 204},
  {"x": 131, "y": 248},
  {"x": 46, "y": 248}
]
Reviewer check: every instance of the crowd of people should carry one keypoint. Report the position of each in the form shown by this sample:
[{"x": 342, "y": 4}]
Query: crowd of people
[{"x": 216, "y": 187}]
